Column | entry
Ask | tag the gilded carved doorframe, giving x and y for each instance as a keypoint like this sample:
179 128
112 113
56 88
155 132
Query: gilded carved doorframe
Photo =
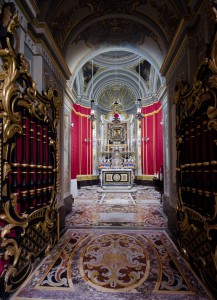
196 129
30 176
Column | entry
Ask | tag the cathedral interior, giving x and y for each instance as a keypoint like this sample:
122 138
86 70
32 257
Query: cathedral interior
108 136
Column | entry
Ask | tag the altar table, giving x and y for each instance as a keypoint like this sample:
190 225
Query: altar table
116 178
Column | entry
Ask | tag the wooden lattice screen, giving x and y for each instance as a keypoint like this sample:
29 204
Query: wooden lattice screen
29 165
196 108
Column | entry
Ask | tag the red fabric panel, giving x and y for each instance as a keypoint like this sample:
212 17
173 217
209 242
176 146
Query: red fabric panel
74 145
81 142
159 141
149 143
152 150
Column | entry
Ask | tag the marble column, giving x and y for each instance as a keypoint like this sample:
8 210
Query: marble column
169 142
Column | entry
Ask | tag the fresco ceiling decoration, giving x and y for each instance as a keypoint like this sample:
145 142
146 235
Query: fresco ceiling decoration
123 38
116 78
66 15
118 32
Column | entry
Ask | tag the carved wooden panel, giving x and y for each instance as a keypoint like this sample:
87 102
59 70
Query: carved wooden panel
29 166
196 112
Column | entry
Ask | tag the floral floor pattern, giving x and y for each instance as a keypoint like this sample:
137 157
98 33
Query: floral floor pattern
141 210
116 247
92 194
140 216
115 265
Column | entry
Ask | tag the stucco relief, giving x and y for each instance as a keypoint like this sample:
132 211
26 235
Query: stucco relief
50 80
39 50
62 25
100 8
166 14
64 16
116 31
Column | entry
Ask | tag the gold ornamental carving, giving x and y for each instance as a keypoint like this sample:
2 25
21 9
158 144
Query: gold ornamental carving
196 124
28 230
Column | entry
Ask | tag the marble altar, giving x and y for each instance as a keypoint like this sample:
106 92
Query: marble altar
116 178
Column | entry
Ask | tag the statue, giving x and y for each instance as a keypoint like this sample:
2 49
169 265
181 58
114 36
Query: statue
6 16
117 160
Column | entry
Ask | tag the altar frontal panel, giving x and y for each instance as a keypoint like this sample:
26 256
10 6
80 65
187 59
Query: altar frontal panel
116 178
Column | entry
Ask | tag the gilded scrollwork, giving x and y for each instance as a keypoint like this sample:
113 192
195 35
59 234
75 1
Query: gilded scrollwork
28 214
9 22
196 124
212 61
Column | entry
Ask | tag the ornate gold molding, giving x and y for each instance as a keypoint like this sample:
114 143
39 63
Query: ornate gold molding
27 232
196 126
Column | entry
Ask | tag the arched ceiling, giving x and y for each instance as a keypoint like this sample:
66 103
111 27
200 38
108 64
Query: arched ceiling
114 49
114 75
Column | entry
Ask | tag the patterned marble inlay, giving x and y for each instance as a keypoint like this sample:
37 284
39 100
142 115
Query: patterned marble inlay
111 264
141 209
114 262
58 275
145 216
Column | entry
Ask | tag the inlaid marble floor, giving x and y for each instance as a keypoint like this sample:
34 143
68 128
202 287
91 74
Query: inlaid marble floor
114 250
139 209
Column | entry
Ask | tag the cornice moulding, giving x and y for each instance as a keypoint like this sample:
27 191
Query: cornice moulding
29 8
41 32
187 26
